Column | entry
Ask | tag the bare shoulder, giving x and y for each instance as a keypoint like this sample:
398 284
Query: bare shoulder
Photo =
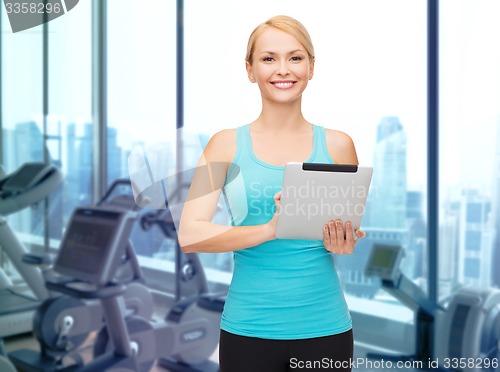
341 147
221 146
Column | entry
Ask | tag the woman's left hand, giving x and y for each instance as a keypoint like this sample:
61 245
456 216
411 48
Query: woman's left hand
336 242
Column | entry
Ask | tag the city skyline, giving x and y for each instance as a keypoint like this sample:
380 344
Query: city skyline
380 81
407 225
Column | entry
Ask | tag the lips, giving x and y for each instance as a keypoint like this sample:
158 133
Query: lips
283 84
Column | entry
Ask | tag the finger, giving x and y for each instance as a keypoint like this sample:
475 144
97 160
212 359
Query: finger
360 234
333 237
349 237
277 201
326 238
339 229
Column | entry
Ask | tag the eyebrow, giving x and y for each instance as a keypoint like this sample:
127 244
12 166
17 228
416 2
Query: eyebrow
293 51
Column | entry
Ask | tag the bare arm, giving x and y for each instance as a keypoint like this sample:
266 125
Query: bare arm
342 151
197 232
341 147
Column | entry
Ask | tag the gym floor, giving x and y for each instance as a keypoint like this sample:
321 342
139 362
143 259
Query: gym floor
26 341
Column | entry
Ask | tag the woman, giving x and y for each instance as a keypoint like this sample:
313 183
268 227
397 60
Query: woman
285 308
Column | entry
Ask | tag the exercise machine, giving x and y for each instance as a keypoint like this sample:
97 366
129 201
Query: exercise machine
384 263
195 316
193 321
468 333
89 261
465 336
62 323
89 255
28 185
5 364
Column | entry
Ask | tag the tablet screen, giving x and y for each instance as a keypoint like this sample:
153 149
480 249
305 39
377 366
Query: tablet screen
314 194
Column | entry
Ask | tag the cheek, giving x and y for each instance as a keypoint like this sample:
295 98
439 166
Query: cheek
263 73
303 72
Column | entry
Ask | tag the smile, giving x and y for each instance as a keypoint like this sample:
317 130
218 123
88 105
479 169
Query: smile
283 84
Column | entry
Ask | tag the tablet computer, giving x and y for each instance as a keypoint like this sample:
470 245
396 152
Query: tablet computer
312 194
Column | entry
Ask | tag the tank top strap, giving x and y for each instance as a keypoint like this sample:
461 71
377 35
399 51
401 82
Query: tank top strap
243 138
322 154
242 143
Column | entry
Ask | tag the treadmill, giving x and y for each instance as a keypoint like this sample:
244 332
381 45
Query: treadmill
28 185
464 336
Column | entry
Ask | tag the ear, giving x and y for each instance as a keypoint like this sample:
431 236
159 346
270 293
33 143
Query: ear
250 72
311 70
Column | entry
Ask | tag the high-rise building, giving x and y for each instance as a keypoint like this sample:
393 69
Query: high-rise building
417 234
475 239
386 204
115 169
28 145
496 214
77 166
448 253
414 205
78 163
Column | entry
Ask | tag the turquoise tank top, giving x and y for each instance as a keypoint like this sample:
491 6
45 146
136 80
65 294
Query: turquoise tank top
282 289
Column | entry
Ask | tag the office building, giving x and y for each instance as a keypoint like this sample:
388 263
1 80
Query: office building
387 200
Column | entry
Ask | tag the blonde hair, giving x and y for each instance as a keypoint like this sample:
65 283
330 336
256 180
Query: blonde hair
284 23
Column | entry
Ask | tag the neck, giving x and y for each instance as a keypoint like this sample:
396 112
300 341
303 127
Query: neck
277 117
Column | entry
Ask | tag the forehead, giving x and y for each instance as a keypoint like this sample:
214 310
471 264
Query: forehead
275 40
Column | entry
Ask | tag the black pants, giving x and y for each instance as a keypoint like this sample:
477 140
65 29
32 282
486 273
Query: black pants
249 354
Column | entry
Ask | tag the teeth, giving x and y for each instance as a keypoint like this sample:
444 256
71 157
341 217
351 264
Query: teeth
283 85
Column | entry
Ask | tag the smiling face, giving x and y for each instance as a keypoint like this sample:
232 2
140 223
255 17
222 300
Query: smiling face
280 66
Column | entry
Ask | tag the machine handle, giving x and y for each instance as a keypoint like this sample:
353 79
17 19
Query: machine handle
37 260
85 290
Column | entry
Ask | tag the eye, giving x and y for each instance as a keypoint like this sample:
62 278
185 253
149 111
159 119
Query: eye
296 58
267 59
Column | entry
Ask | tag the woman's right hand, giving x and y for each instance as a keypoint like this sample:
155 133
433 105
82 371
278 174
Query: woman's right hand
271 225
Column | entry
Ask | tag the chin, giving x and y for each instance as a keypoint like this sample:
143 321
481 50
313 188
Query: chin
282 100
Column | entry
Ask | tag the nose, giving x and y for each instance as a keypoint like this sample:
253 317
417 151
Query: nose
283 68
